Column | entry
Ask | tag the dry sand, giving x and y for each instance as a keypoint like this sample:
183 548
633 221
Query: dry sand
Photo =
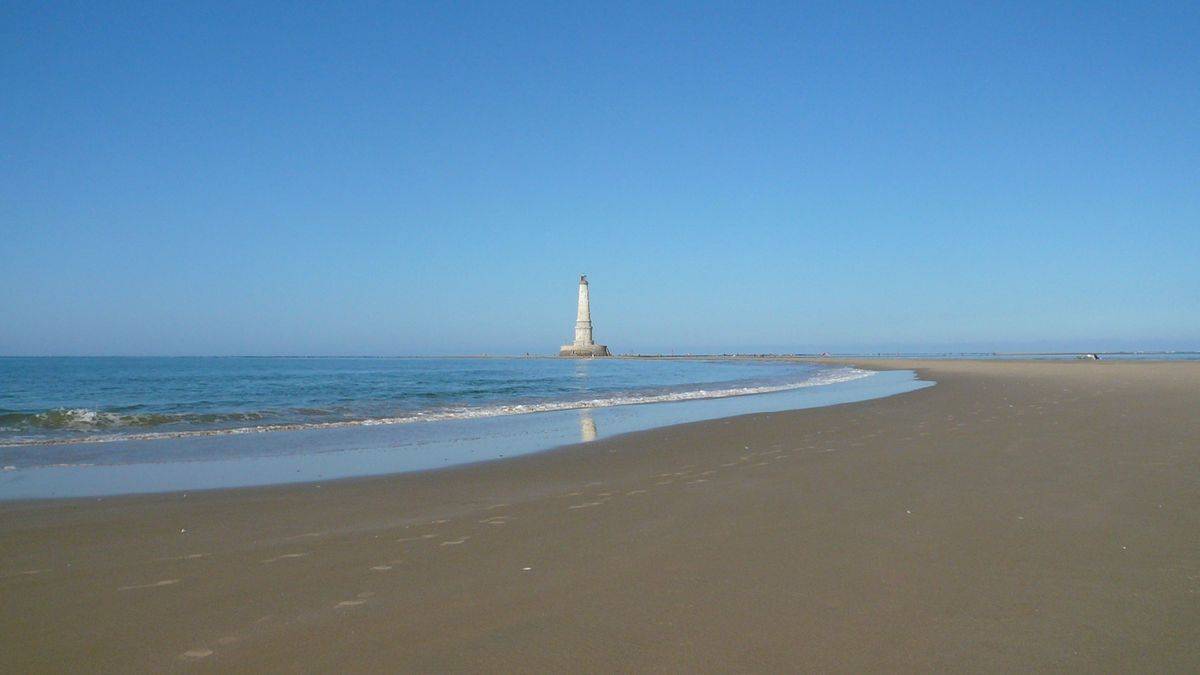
1018 516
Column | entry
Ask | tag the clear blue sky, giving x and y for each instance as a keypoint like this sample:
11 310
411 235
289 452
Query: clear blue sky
203 178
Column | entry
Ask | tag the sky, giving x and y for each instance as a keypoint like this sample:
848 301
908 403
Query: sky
431 178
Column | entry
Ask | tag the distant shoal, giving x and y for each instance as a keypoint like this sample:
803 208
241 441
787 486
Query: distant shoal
1017 516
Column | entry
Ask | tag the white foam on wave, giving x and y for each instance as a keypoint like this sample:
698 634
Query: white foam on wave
833 376
80 418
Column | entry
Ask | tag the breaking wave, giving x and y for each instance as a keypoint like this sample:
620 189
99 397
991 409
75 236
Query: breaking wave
84 420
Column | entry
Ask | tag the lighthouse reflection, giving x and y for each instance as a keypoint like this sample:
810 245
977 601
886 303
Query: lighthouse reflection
587 426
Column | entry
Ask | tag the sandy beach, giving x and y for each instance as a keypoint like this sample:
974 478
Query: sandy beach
1017 516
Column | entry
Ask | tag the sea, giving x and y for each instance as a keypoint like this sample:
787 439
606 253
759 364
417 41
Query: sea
94 426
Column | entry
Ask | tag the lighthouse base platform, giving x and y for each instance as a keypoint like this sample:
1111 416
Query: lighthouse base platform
583 351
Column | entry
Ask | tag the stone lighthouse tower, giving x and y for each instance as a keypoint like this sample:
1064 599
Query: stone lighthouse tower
583 345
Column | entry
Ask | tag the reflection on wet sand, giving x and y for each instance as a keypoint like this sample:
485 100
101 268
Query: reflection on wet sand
587 426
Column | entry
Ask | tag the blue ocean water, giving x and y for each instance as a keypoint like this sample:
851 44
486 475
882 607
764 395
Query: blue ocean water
90 426
56 400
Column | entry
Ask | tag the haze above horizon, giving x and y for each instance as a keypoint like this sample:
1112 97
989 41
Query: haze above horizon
359 180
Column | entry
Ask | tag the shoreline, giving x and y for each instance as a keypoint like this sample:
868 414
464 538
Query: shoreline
1017 515
486 411
227 460
330 482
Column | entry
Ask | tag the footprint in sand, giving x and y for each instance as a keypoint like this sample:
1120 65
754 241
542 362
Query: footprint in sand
307 535
156 584
190 556
360 599
424 536
23 573
285 556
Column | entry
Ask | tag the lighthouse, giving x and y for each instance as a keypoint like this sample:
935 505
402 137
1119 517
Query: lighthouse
583 345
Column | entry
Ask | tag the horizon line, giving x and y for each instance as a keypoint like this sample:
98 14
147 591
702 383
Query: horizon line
529 355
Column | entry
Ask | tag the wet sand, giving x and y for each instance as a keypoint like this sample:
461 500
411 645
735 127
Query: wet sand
1040 516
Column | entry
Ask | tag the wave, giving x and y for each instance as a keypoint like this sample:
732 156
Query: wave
85 419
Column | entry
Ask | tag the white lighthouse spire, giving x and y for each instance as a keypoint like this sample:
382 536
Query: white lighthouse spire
583 344
583 318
